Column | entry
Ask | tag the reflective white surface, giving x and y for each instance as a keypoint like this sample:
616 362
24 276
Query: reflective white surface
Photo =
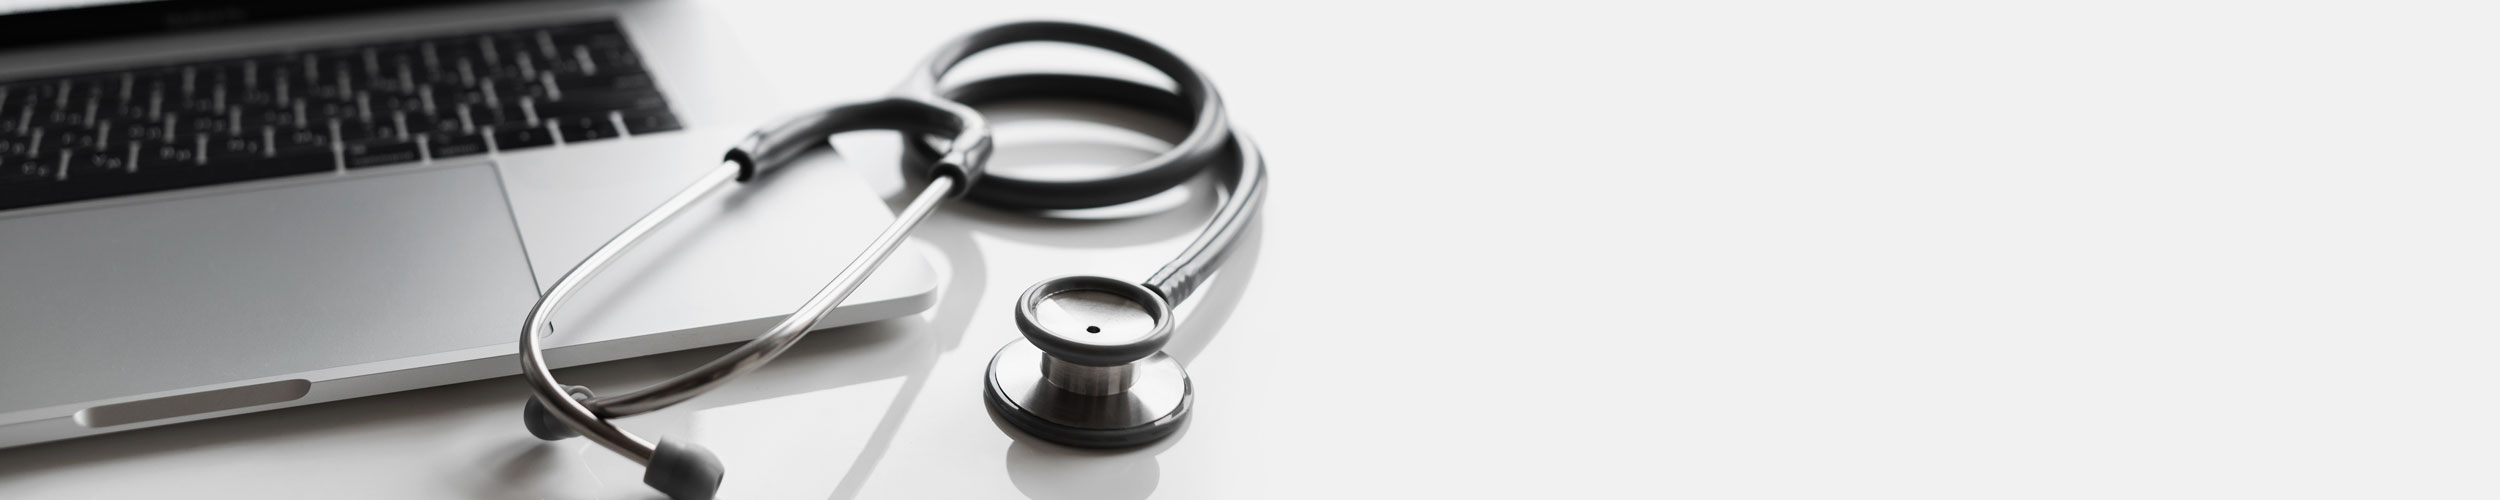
1749 250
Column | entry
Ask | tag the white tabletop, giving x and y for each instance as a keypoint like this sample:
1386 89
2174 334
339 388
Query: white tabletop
1753 250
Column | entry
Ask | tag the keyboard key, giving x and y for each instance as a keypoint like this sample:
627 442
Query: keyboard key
609 81
379 152
584 129
296 162
456 145
84 165
300 139
600 103
231 147
109 160
516 138
9 174
41 165
387 128
163 155
649 122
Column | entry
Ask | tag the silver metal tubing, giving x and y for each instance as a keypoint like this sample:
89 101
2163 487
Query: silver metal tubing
756 352
1089 380
543 385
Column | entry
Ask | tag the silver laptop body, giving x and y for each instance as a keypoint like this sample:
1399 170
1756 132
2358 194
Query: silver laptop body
395 269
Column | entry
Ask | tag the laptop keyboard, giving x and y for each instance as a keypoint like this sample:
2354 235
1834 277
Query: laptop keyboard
328 109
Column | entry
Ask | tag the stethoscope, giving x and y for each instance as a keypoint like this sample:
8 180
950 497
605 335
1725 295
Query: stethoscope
1089 372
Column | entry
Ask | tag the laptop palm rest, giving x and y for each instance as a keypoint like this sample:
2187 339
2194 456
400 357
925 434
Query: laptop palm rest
211 290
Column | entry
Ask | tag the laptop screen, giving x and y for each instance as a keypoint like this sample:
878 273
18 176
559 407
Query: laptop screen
36 22
20 6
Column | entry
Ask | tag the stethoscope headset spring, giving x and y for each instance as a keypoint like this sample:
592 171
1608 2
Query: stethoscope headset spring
1089 370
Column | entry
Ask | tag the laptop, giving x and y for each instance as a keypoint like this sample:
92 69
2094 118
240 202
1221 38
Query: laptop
215 207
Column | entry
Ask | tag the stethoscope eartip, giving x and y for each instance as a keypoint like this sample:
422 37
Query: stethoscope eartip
544 424
684 471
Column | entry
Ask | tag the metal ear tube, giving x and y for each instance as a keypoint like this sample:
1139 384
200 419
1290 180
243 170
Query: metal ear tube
683 470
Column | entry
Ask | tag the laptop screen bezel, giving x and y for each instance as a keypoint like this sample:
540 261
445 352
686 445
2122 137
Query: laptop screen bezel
42 27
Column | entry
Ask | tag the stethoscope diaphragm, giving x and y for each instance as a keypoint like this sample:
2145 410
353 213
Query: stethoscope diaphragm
1090 370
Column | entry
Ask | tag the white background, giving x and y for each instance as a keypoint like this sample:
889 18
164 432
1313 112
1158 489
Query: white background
1756 250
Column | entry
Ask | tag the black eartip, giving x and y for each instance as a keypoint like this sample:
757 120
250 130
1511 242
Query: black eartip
544 424
683 471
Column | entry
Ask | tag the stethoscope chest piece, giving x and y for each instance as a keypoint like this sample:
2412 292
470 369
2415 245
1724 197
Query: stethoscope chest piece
1090 371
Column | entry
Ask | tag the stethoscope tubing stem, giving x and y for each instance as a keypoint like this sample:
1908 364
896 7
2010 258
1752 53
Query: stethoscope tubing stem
543 385
755 353
590 418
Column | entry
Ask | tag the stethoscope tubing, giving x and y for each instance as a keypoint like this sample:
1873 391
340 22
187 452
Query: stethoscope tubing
1244 176
1180 278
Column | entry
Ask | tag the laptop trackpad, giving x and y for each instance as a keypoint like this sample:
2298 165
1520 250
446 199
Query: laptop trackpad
133 299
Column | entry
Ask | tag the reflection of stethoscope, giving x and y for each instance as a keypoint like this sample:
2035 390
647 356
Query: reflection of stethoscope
1090 370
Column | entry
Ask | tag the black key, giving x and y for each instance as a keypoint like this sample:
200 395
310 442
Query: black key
378 152
482 116
302 139
388 128
205 102
41 165
12 146
319 113
341 74
281 117
648 122
600 103
456 145
263 168
609 81
70 137
508 139
513 113
351 131
9 174
40 94
235 147
577 34
300 161
384 104
583 129
87 165
611 55
446 122
108 160
443 96
161 155
138 130
213 124
338 130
